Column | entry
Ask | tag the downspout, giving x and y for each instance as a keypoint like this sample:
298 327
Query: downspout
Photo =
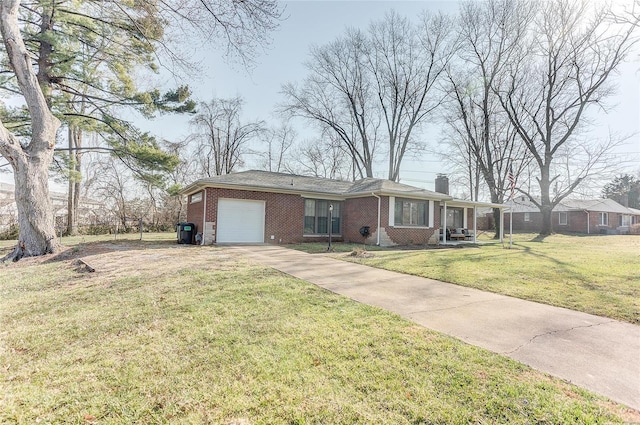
588 230
204 216
378 229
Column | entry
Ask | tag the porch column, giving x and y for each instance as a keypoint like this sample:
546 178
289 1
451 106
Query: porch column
475 223
501 225
443 220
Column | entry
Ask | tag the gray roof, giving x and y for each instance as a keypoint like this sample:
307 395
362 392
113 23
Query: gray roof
369 185
602 205
291 183
522 204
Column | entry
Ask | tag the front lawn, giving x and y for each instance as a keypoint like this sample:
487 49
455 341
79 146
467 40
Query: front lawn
162 333
593 274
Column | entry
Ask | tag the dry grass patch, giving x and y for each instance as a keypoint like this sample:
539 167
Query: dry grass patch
162 333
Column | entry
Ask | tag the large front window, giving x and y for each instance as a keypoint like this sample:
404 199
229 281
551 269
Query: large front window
625 220
409 212
316 217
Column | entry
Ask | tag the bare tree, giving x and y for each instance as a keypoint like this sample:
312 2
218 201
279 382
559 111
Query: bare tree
321 159
278 144
221 136
114 186
375 85
406 63
576 47
491 33
337 95
174 209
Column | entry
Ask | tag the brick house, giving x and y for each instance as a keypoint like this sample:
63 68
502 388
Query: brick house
260 206
602 216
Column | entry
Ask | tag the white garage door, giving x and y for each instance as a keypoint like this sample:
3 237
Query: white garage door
240 220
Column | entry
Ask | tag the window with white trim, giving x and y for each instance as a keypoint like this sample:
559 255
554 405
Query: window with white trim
196 197
603 219
562 218
527 216
625 220
411 212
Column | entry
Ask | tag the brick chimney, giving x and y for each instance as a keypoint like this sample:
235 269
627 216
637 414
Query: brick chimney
442 184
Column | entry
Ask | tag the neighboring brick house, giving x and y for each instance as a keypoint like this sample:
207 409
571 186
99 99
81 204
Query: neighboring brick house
261 206
602 216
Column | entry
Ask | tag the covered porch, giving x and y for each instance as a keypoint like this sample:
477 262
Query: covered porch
459 221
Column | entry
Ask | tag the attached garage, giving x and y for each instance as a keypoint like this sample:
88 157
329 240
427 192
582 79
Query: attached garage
240 221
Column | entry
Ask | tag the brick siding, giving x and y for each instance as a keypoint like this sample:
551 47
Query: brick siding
195 213
576 222
284 217
360 212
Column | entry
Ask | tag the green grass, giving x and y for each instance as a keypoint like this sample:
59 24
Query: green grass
594 274
177 334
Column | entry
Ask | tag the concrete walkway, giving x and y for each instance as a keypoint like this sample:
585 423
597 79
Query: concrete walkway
596 353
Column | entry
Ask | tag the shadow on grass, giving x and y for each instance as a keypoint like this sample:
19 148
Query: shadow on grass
539 238
88 249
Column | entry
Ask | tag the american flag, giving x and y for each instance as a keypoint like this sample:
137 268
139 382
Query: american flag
512 181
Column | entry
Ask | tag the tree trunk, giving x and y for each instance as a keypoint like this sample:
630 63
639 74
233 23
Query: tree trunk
546 207
73 197
547 227
31 163
35 215
497 222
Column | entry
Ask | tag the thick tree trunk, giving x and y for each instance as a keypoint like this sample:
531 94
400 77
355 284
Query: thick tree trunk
547 227
546 207
35 215
30 163
497 222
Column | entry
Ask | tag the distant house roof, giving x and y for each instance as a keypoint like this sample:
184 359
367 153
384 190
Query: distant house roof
524 204
291 183
601 205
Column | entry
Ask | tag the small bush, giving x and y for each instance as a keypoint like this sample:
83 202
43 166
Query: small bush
635 229
10 234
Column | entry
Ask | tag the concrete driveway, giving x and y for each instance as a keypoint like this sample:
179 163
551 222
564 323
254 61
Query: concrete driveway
596 353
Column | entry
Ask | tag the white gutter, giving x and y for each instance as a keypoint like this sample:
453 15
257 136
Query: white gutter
378 229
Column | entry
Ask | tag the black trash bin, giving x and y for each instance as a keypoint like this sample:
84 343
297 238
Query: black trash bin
185 232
